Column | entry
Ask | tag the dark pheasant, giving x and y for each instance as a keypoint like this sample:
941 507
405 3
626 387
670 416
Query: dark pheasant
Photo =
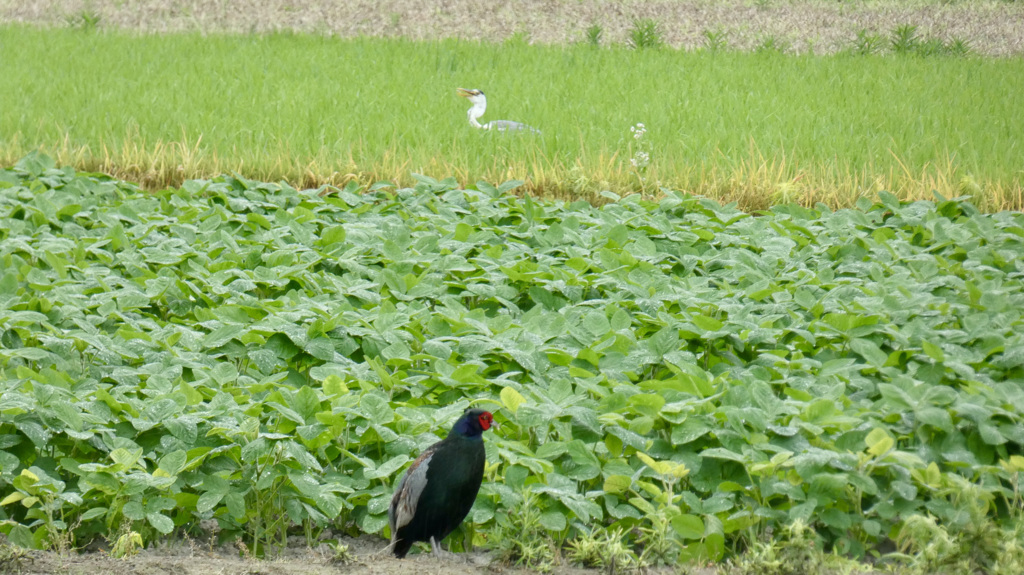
438 490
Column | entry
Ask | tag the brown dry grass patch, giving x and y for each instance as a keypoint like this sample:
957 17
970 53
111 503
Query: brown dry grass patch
991 27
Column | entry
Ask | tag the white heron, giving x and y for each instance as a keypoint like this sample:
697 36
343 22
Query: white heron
480 106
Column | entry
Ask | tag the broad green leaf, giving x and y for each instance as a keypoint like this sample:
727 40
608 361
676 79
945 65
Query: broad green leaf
332 235
321 348
706 323
334 386
134 510
688 526
387 468
722 453
511 399
583 454
878 442
124 458
94 513
933 351
12 498
677 470
617 483
224 373
236 505
376 409
1016 463
222 335
649 404
870 352
207 501
936 417
173 462
306 403
553 521
596 323
373 523
160 522
22 537
664 341
256 450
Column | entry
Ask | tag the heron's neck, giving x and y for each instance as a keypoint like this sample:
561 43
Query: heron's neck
475 112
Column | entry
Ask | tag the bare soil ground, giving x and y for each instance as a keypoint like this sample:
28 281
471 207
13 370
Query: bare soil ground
992 27
200 560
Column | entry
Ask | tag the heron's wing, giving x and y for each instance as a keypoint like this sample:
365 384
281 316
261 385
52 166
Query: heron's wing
510 126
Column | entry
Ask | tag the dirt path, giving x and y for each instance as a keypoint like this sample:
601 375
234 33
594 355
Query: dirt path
994 27
184 559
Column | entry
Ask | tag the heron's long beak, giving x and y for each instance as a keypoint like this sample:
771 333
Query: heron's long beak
464 92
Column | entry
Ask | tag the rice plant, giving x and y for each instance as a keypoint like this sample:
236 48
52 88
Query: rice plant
959 47
645 33
772 43
904 39
715 40
868 43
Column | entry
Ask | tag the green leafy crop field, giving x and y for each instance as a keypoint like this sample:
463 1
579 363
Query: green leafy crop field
757 128
674 380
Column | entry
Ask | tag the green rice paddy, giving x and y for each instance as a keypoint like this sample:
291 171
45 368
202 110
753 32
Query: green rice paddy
753 127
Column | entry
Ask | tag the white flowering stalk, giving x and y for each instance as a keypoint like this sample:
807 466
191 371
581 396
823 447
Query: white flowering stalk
641 157
638 131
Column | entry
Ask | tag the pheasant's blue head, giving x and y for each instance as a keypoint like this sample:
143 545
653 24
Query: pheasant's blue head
473 423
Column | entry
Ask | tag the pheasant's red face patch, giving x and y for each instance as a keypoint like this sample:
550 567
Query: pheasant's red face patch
486 420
